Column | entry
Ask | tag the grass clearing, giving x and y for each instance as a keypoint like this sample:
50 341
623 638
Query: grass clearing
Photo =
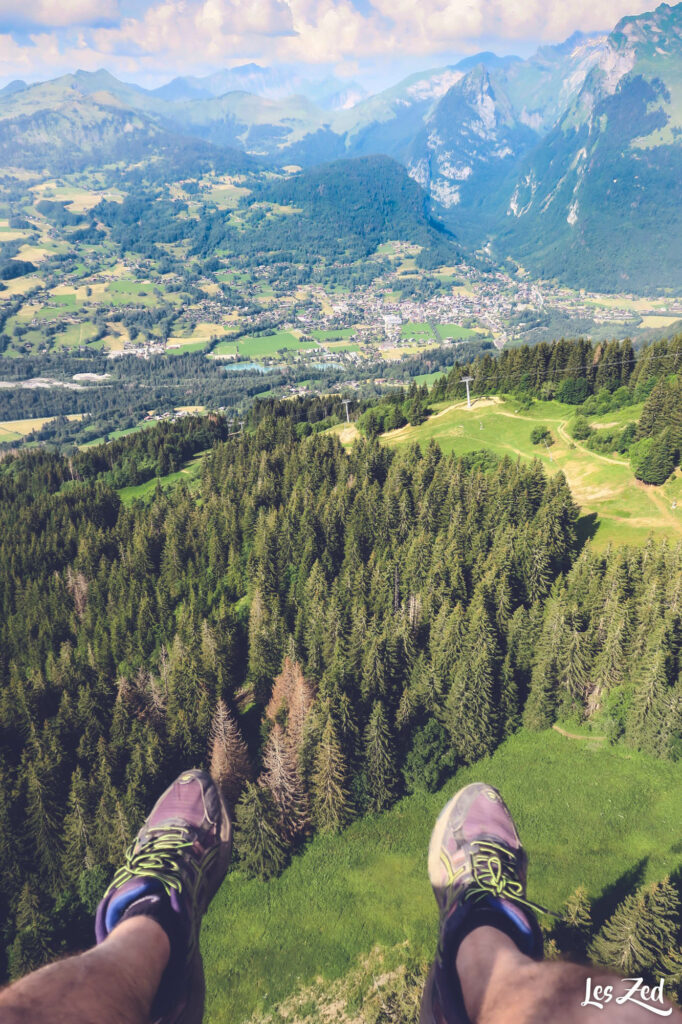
659 321
178 349
24 427
21 285
398 351
255 347
340 334
347 433
588 814
8 435
75 335
601 484
430 378
190 473
126 291
418 331
455 331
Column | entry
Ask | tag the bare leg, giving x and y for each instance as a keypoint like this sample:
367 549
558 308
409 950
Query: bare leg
113 983
502 986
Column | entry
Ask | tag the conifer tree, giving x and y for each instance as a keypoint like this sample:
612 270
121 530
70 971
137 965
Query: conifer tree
540 710
261 849
379 759
32 944
648 697
78 852
265 644
573 931
230 763
282 777
574 662
331 802
470 714
43 822
642 936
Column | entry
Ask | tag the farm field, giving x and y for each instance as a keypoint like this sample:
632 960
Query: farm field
12 430
264 940
333 335
178 349
418 331
627 510
455 331
255 347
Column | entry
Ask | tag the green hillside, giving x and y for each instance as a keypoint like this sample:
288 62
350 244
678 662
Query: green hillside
603 485
589 814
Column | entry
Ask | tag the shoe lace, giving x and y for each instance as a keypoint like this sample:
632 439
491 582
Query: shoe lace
494 872
160 858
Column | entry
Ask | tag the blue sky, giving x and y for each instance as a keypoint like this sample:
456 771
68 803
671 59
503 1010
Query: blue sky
375 41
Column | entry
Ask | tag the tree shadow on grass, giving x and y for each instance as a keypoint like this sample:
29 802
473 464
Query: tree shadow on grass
605 904
676 879
585 528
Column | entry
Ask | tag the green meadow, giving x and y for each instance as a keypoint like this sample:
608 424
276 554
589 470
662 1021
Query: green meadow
260 346
603 485
454 331
419 331
190 346
589 814
189 474
341 334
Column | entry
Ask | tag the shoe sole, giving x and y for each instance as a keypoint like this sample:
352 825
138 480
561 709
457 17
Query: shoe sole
193 1011
437 835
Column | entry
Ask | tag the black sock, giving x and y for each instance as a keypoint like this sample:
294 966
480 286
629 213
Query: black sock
158 907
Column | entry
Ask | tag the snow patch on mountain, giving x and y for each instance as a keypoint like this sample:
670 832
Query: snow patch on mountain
418 170
529 183
455 171
445 192
435 87
614 65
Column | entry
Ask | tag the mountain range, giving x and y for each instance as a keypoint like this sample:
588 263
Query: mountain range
568 161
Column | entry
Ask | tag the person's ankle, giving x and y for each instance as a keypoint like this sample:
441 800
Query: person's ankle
484 958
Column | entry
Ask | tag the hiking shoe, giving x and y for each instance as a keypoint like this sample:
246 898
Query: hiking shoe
477 868
171 872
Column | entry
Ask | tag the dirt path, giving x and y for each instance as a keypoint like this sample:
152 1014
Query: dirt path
575 735
477 403
594 455
661 504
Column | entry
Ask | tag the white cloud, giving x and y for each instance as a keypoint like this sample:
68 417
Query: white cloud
196 36
50 14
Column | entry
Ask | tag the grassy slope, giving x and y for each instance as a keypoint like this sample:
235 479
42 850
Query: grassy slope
190 473
628 511
588 814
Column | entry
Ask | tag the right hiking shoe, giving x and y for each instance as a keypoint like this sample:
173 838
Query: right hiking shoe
171 873
477 868
477 864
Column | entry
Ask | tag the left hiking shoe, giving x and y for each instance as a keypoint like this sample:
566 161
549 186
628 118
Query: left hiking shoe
477 868
171 873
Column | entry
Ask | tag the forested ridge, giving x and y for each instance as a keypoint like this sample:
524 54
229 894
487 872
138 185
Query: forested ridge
325 629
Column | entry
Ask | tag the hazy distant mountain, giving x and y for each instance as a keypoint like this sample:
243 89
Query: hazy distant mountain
85 120
570 160
270 83
16 86
600 197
